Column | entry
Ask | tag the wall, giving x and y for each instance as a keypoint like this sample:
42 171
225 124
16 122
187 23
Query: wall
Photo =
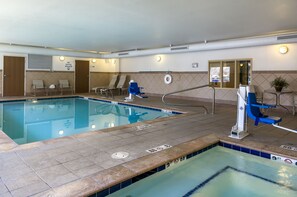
265 58
48 78
100 71
267 64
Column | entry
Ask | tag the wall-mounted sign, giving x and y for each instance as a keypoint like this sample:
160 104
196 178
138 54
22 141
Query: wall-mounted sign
215 74
68 65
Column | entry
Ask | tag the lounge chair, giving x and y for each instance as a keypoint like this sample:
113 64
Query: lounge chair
121 84
105 90
259 95
38 86
65 86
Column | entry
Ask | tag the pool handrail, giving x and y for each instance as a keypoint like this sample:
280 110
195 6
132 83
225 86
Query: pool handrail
193 88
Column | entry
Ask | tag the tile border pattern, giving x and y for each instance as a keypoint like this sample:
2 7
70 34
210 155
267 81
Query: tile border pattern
137 178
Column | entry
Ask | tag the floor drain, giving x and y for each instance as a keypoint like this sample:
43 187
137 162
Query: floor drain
120 155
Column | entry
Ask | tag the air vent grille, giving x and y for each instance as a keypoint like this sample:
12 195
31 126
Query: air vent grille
179 48
122 54
287 37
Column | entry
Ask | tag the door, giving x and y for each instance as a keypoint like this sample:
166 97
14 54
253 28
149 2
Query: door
81 76
13 76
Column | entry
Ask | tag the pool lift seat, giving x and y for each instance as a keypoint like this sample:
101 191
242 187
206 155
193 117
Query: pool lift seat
253 111
134 90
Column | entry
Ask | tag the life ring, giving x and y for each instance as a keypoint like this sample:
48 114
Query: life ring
167 79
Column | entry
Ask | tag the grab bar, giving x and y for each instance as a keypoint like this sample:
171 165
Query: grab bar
188 89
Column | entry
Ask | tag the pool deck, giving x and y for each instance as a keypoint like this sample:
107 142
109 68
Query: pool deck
81 165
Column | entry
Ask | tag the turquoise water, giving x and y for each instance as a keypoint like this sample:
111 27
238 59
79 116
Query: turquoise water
29 121
219 172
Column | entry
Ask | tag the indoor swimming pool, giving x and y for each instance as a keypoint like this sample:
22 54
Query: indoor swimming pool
218 172
37 120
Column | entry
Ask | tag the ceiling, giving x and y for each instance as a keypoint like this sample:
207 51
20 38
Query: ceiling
116 25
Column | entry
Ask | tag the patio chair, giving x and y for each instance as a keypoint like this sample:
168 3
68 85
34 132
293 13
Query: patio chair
38 86
65 86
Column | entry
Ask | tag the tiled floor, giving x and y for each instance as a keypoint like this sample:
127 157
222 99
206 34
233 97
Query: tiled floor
76 165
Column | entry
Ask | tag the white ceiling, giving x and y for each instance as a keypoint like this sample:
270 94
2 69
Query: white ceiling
115 25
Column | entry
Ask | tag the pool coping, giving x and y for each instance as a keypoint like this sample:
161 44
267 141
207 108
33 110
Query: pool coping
7 144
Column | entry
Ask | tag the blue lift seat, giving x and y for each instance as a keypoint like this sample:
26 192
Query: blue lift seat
253 111
134 89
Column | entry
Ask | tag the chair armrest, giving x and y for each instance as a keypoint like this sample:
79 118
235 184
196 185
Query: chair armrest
263 106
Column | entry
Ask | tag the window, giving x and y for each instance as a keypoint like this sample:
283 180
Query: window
39 62
229 73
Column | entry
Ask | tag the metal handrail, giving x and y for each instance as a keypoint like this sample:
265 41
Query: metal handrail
188 89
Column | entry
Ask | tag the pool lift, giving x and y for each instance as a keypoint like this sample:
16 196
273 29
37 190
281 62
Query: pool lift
134 90
247 106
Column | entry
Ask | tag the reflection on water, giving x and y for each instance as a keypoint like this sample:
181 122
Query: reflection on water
29 121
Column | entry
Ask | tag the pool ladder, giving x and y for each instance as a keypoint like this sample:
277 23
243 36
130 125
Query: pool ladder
186 105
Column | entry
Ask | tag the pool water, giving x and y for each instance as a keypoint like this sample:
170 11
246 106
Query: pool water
31 121
218 172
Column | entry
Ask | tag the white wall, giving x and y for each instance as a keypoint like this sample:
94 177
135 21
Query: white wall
105 65
59 65
265 58
101 65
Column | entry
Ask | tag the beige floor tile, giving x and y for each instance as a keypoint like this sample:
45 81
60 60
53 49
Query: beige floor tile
89 170
17 182
30 189
78 164
56 175
69 156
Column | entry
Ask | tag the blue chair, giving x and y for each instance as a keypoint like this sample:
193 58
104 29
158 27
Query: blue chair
134 89
253 111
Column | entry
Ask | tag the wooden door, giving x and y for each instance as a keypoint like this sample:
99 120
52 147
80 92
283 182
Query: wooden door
81 76
13 76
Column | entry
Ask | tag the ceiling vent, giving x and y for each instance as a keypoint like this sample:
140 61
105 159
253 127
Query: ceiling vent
179 48
123 54
287 37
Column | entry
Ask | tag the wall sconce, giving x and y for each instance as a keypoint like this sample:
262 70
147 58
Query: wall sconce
94 60
158 58
283 49
62 58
